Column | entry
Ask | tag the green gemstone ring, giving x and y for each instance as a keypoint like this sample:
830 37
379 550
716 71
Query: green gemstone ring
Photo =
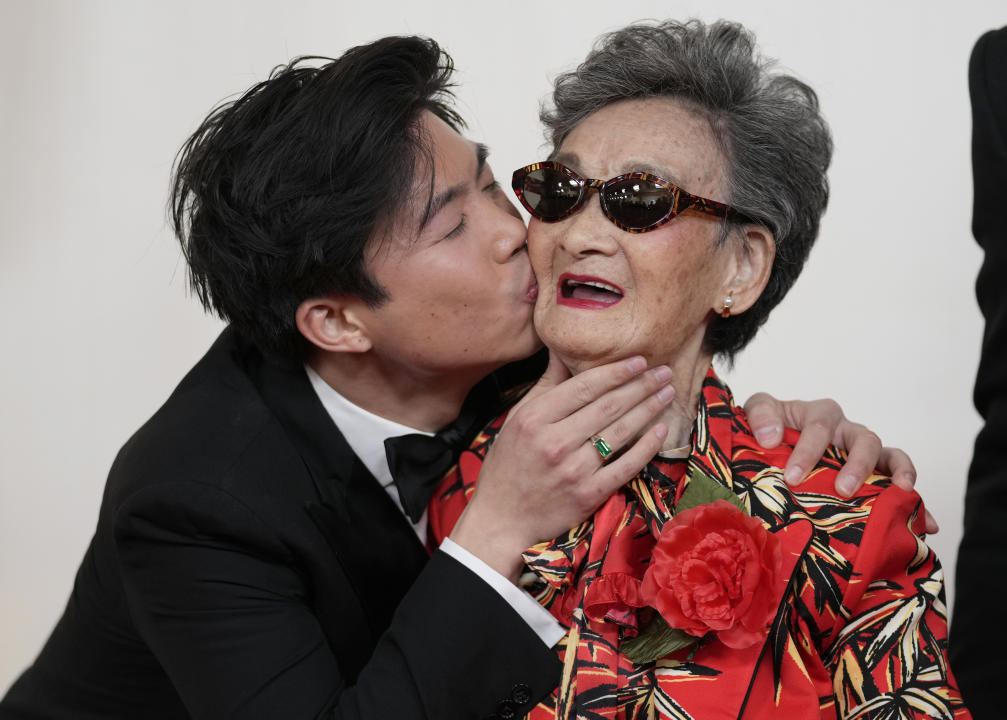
603 448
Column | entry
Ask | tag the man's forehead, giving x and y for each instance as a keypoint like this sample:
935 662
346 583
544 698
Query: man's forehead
446 166
448 170
447 156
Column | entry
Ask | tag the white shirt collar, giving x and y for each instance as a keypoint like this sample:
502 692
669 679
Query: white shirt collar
366 433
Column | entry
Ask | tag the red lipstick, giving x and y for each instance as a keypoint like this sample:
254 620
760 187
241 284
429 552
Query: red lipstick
587 292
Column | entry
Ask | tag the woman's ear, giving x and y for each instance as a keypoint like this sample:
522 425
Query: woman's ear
333 324
753 258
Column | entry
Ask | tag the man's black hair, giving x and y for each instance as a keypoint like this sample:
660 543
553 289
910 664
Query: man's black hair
277 193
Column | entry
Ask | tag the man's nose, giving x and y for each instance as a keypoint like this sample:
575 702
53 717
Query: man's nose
512 234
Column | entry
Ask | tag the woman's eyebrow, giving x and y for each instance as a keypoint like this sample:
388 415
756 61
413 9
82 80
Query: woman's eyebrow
572 160
651 169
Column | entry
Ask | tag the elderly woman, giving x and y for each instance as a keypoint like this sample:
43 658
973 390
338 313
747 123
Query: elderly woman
679 204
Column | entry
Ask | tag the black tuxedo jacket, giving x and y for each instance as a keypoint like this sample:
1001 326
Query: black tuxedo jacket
978 634
246 564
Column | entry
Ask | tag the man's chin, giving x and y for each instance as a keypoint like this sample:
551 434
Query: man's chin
527 348
521 349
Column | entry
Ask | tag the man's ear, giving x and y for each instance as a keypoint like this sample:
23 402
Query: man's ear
752 264
333 324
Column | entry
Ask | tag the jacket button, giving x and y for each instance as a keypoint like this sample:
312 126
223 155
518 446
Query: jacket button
521 694
507 710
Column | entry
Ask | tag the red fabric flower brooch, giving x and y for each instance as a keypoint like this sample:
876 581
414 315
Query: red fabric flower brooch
714 570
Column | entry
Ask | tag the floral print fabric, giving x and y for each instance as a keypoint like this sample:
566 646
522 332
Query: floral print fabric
860 628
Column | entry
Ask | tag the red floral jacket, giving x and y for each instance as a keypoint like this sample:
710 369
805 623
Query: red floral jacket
859 628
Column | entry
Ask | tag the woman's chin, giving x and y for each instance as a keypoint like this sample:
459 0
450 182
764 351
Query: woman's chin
580 360
583 346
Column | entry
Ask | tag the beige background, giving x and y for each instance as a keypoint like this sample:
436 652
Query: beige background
96 327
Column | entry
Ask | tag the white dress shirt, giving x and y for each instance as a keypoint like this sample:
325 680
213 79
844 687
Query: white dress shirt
366 433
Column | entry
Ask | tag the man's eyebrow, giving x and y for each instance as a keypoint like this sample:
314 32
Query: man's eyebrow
440 200
482 152
447 195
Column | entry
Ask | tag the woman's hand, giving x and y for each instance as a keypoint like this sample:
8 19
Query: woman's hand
822 423
543 476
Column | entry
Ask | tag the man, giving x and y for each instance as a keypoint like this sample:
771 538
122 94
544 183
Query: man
252 557
978 641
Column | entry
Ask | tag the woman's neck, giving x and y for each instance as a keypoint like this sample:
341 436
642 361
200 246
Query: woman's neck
680 415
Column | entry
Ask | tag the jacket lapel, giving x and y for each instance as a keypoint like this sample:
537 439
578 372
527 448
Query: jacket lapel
371 539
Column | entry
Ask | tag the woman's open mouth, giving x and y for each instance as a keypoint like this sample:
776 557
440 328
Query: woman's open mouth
583 291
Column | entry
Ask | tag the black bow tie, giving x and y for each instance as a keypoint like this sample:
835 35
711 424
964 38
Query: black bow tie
418 462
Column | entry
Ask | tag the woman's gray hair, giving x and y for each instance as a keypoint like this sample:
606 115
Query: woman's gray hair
775 141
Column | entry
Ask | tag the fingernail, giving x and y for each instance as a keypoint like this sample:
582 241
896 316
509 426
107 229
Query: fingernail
661 430
767 434
662 373
666 393
845 484
909 478
793 474
636 363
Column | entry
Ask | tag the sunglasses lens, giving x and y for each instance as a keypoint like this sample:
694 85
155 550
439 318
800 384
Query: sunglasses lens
549 194
638 203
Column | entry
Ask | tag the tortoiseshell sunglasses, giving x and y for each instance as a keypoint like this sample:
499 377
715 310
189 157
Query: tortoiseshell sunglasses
636 202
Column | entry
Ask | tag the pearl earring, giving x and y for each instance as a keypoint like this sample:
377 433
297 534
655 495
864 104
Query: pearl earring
725 311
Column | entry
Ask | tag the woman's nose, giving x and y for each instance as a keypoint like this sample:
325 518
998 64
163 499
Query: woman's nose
588 231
